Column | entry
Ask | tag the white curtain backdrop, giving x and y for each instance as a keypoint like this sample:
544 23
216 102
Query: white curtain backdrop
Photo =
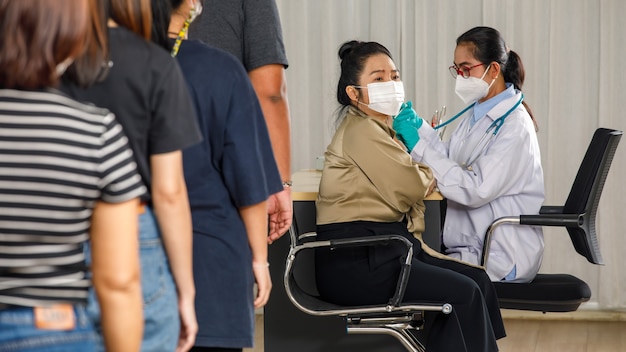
574 52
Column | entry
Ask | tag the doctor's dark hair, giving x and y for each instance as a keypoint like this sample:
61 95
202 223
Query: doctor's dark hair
488 46
353 55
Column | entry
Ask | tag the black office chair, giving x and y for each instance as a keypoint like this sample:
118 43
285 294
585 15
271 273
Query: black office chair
393 318
564 292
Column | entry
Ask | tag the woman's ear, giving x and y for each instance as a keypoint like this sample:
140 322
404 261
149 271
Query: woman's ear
352 93
495 70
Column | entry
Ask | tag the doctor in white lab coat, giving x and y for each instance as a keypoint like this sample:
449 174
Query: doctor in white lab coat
485 176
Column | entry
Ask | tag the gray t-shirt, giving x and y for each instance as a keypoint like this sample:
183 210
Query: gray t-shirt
248 29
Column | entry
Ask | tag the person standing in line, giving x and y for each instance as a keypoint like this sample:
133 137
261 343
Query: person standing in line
148 94
491 166
251 30
67 176
229 176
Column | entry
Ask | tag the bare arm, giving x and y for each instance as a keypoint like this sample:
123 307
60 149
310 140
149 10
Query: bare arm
171 207
270 86
255 219
116 275
271 89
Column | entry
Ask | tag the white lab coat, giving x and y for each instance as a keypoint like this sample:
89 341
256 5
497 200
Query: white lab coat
505 180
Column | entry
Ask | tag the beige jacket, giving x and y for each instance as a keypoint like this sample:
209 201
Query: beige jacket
369 176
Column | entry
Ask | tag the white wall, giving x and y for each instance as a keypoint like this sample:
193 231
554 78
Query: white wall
574 52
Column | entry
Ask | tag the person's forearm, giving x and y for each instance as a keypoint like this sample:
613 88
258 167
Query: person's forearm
171 207
122 314
116 274
174 219
271 89
278 125
255 220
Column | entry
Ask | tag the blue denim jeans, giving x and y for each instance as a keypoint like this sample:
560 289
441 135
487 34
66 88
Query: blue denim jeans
160 300
162 322
18 333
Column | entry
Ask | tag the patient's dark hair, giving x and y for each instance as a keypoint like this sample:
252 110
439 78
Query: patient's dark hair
353 55
488 46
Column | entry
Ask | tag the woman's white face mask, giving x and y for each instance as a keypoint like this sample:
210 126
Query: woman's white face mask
385 97
472 88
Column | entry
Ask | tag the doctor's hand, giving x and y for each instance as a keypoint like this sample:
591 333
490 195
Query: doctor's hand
407 113
406 124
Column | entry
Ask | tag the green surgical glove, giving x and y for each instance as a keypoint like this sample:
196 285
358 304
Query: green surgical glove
406 124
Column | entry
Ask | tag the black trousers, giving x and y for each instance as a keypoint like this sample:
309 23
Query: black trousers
368 275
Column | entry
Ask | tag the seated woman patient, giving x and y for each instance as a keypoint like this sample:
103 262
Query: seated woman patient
370 186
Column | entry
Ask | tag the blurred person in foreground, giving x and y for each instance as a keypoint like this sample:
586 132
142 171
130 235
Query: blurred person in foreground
67 175
229 176
147 92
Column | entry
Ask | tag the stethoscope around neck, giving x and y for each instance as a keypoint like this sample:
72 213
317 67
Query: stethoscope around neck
490 133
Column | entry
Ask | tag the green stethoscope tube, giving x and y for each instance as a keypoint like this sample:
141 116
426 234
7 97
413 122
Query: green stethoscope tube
490 133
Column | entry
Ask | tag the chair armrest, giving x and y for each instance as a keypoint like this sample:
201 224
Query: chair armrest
307 237
549 216
552 219
369 241
361 242
403 278
403 281
489 235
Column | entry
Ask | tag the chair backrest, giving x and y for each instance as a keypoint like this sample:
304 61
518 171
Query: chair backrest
586 190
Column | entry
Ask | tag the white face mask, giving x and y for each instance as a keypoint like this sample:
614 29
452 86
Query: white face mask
385 97
471 89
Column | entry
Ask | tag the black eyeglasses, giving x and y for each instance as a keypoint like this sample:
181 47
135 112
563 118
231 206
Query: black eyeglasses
463 71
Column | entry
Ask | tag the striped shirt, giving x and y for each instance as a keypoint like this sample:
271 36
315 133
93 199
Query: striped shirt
57 158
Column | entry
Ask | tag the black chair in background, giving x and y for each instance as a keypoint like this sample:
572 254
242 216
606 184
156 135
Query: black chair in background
564 292
400 320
